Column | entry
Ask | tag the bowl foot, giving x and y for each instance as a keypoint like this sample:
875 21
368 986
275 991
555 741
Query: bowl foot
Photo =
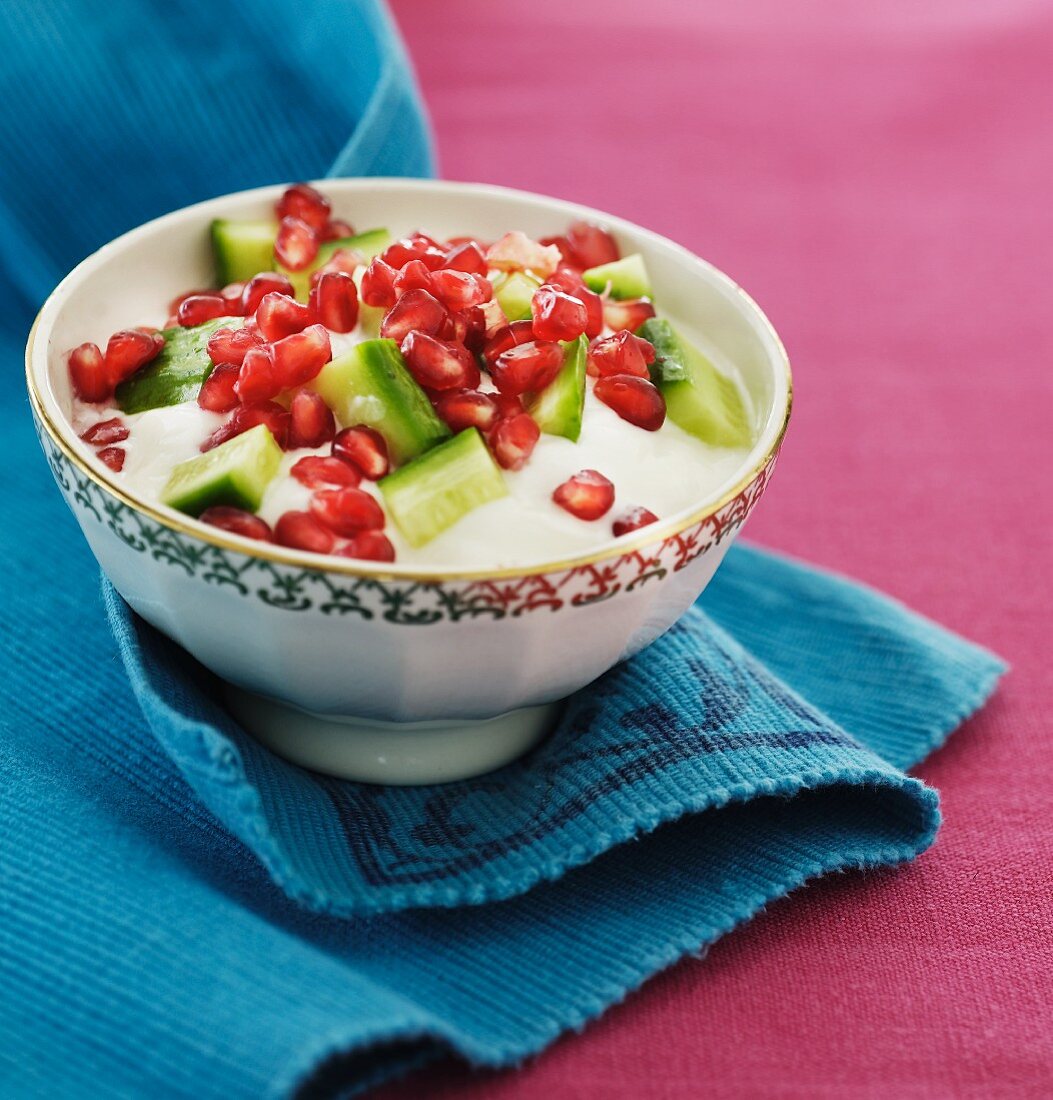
397 753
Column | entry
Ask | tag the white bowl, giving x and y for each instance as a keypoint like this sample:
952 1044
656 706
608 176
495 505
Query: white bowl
384 672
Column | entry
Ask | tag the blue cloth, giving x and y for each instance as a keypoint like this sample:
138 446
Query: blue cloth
182 914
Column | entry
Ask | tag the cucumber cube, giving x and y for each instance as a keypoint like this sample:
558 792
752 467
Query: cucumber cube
626 277
234 473
242 248
514 294
434 491
368 244
558 408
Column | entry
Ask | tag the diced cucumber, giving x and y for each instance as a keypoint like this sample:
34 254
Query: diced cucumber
242 248
434 491
558 408
627 277
234 473
698 397
371 385
514 293
368 244
177 373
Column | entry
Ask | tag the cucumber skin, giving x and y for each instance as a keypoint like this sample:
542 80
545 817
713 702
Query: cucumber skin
177 373
628 277
238 260
559 408
369 244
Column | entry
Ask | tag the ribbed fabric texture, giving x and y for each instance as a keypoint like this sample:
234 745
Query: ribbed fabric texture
182 914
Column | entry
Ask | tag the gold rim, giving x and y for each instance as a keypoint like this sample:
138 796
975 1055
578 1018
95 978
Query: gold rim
656 533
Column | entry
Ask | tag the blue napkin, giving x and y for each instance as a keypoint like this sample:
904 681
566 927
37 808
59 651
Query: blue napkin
182 914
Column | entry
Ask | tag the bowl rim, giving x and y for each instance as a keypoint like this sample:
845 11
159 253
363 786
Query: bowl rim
611 549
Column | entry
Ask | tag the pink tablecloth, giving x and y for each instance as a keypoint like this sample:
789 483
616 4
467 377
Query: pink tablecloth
882 181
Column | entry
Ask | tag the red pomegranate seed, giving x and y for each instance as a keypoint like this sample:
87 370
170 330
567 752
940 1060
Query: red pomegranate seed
301 531
130 349
513 441
592 244
279 316
467 409
365 449
571 282
347 511
325 472
296 245
633 520
621 353
557 316
505 338
179 299
629 314
218 392
439 364
88 374
259 286
587 495
515 251
507 404
302 201
528 367
633 399
112 457
245 417
416 309
231 345
199 308
455 328
368 546
257 380
237 522
311 421
378 284
472 327
414 276
460 289
334 300
232 294
415 247
298 358
336 229
566 250
466 257
113 430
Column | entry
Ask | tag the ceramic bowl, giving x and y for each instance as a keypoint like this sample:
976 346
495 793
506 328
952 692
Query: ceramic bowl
385 672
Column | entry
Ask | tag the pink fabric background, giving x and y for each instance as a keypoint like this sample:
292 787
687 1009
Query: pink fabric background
881 180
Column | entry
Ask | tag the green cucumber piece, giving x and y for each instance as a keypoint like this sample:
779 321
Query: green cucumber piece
434 491
558 408
369 244
514 294
242 248
177 372
234 473
698 397
370 385
627 277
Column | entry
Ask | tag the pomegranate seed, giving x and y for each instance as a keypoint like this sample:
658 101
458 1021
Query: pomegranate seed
416 309
368 546
629 314
259 286
245 417
460 290
296 245
472 326
301 531
237 522
415 247
438 364
633 520
571 282
257 380
557 316
302 201
365 449
334 301
336 229
414 276
466 257
299 358
633 399
507 404
347 260
566 251
232 294
592 244
528 367
175 303
311 421
130 349
621 353
467 409
587 495
513 441
455 328
88 374
112 457
199 308
218 392
106 431
230 345
347 511
279 316
324 471
505 338
378 284
515 251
